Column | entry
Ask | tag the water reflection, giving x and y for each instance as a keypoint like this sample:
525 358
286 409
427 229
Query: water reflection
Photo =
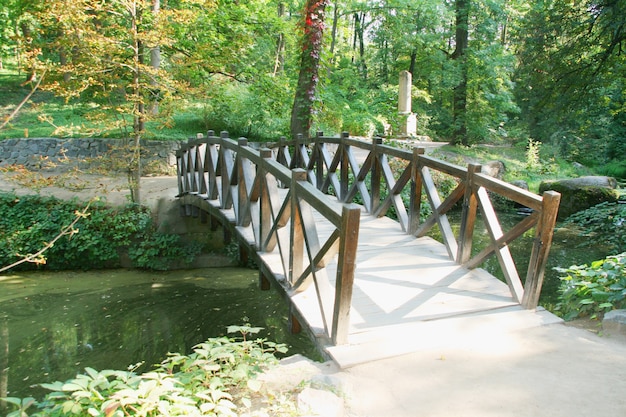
56 324
568 248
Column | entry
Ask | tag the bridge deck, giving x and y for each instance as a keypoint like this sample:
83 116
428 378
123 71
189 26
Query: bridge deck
408 295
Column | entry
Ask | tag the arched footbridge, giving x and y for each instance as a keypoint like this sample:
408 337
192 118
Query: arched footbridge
341 228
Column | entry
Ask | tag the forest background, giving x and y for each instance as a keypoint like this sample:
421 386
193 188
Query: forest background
484 71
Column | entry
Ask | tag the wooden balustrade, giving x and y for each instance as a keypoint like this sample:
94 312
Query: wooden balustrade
272 208
270 196
377 186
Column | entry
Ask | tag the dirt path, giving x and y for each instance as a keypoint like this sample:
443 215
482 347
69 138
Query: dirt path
67 185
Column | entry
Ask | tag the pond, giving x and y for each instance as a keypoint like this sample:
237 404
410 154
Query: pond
53 325
568 248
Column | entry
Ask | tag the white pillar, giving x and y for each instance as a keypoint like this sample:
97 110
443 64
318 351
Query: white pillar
408 126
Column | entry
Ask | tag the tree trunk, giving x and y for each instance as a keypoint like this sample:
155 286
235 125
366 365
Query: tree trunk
155 63
279 63
302 110
459 105
134 174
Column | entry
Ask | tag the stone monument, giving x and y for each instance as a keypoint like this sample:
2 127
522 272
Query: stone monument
408 124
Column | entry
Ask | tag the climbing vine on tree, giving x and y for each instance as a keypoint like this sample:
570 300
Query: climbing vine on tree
308 79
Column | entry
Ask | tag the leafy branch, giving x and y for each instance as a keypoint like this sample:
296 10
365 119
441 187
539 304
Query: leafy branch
37 257
17 109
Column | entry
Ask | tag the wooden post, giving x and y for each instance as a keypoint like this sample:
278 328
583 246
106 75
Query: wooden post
541 249
265 203
346 265
375 176
264 282
318 158
225 166
468 216
296 254
240 181
296 160
244 256
344 169
294 324
415 201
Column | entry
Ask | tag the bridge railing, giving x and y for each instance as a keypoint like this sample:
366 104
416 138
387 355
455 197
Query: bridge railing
377 176
271 207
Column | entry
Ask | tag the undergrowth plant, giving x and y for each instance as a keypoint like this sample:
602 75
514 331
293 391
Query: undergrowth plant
591 291
101 237
216 379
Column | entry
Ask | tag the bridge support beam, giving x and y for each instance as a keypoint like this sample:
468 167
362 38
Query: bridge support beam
264 282
294 324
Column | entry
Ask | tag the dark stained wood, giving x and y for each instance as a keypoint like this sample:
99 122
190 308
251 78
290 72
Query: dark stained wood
541 249
468 217
345 274
275 211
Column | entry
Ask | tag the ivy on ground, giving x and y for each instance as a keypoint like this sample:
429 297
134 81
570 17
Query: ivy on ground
28 223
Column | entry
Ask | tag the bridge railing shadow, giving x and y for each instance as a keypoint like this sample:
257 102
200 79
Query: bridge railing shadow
386 179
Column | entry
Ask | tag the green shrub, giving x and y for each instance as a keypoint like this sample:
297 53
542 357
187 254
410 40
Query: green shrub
592 290
28 223
217 379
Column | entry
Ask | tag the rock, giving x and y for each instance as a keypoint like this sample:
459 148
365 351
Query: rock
315 402
614 322
521 184
494 169
290 373
581 193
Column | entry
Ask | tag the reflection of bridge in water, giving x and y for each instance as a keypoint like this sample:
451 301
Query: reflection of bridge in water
364 285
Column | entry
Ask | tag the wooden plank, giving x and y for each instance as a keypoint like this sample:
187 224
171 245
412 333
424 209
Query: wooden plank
344 279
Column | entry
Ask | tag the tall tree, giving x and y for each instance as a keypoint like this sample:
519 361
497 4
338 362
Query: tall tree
110 63
459 103
304 98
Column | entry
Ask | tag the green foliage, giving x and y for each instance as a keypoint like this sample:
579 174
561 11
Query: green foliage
257 111
605 223
592 290
532 155
27 223
217 379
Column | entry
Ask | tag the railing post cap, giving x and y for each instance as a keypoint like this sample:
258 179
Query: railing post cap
210 133
242 141
298 174
224 134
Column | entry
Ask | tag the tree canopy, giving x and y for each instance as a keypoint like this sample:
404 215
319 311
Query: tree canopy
483 70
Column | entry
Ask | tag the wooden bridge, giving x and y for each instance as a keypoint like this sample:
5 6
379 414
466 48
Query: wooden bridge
316 217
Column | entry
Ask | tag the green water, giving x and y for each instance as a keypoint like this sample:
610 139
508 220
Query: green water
56 324
568 248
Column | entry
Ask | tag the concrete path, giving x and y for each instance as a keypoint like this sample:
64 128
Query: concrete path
548 371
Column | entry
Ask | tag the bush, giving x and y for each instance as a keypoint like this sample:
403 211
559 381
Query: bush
592 290
27 223
217 379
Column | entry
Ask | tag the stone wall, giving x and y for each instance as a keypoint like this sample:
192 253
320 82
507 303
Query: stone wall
35 152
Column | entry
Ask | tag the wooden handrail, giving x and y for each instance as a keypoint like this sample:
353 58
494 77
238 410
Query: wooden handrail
243 186
373 184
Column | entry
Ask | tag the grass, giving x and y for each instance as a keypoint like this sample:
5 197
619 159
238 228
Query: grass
516 160
46 115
